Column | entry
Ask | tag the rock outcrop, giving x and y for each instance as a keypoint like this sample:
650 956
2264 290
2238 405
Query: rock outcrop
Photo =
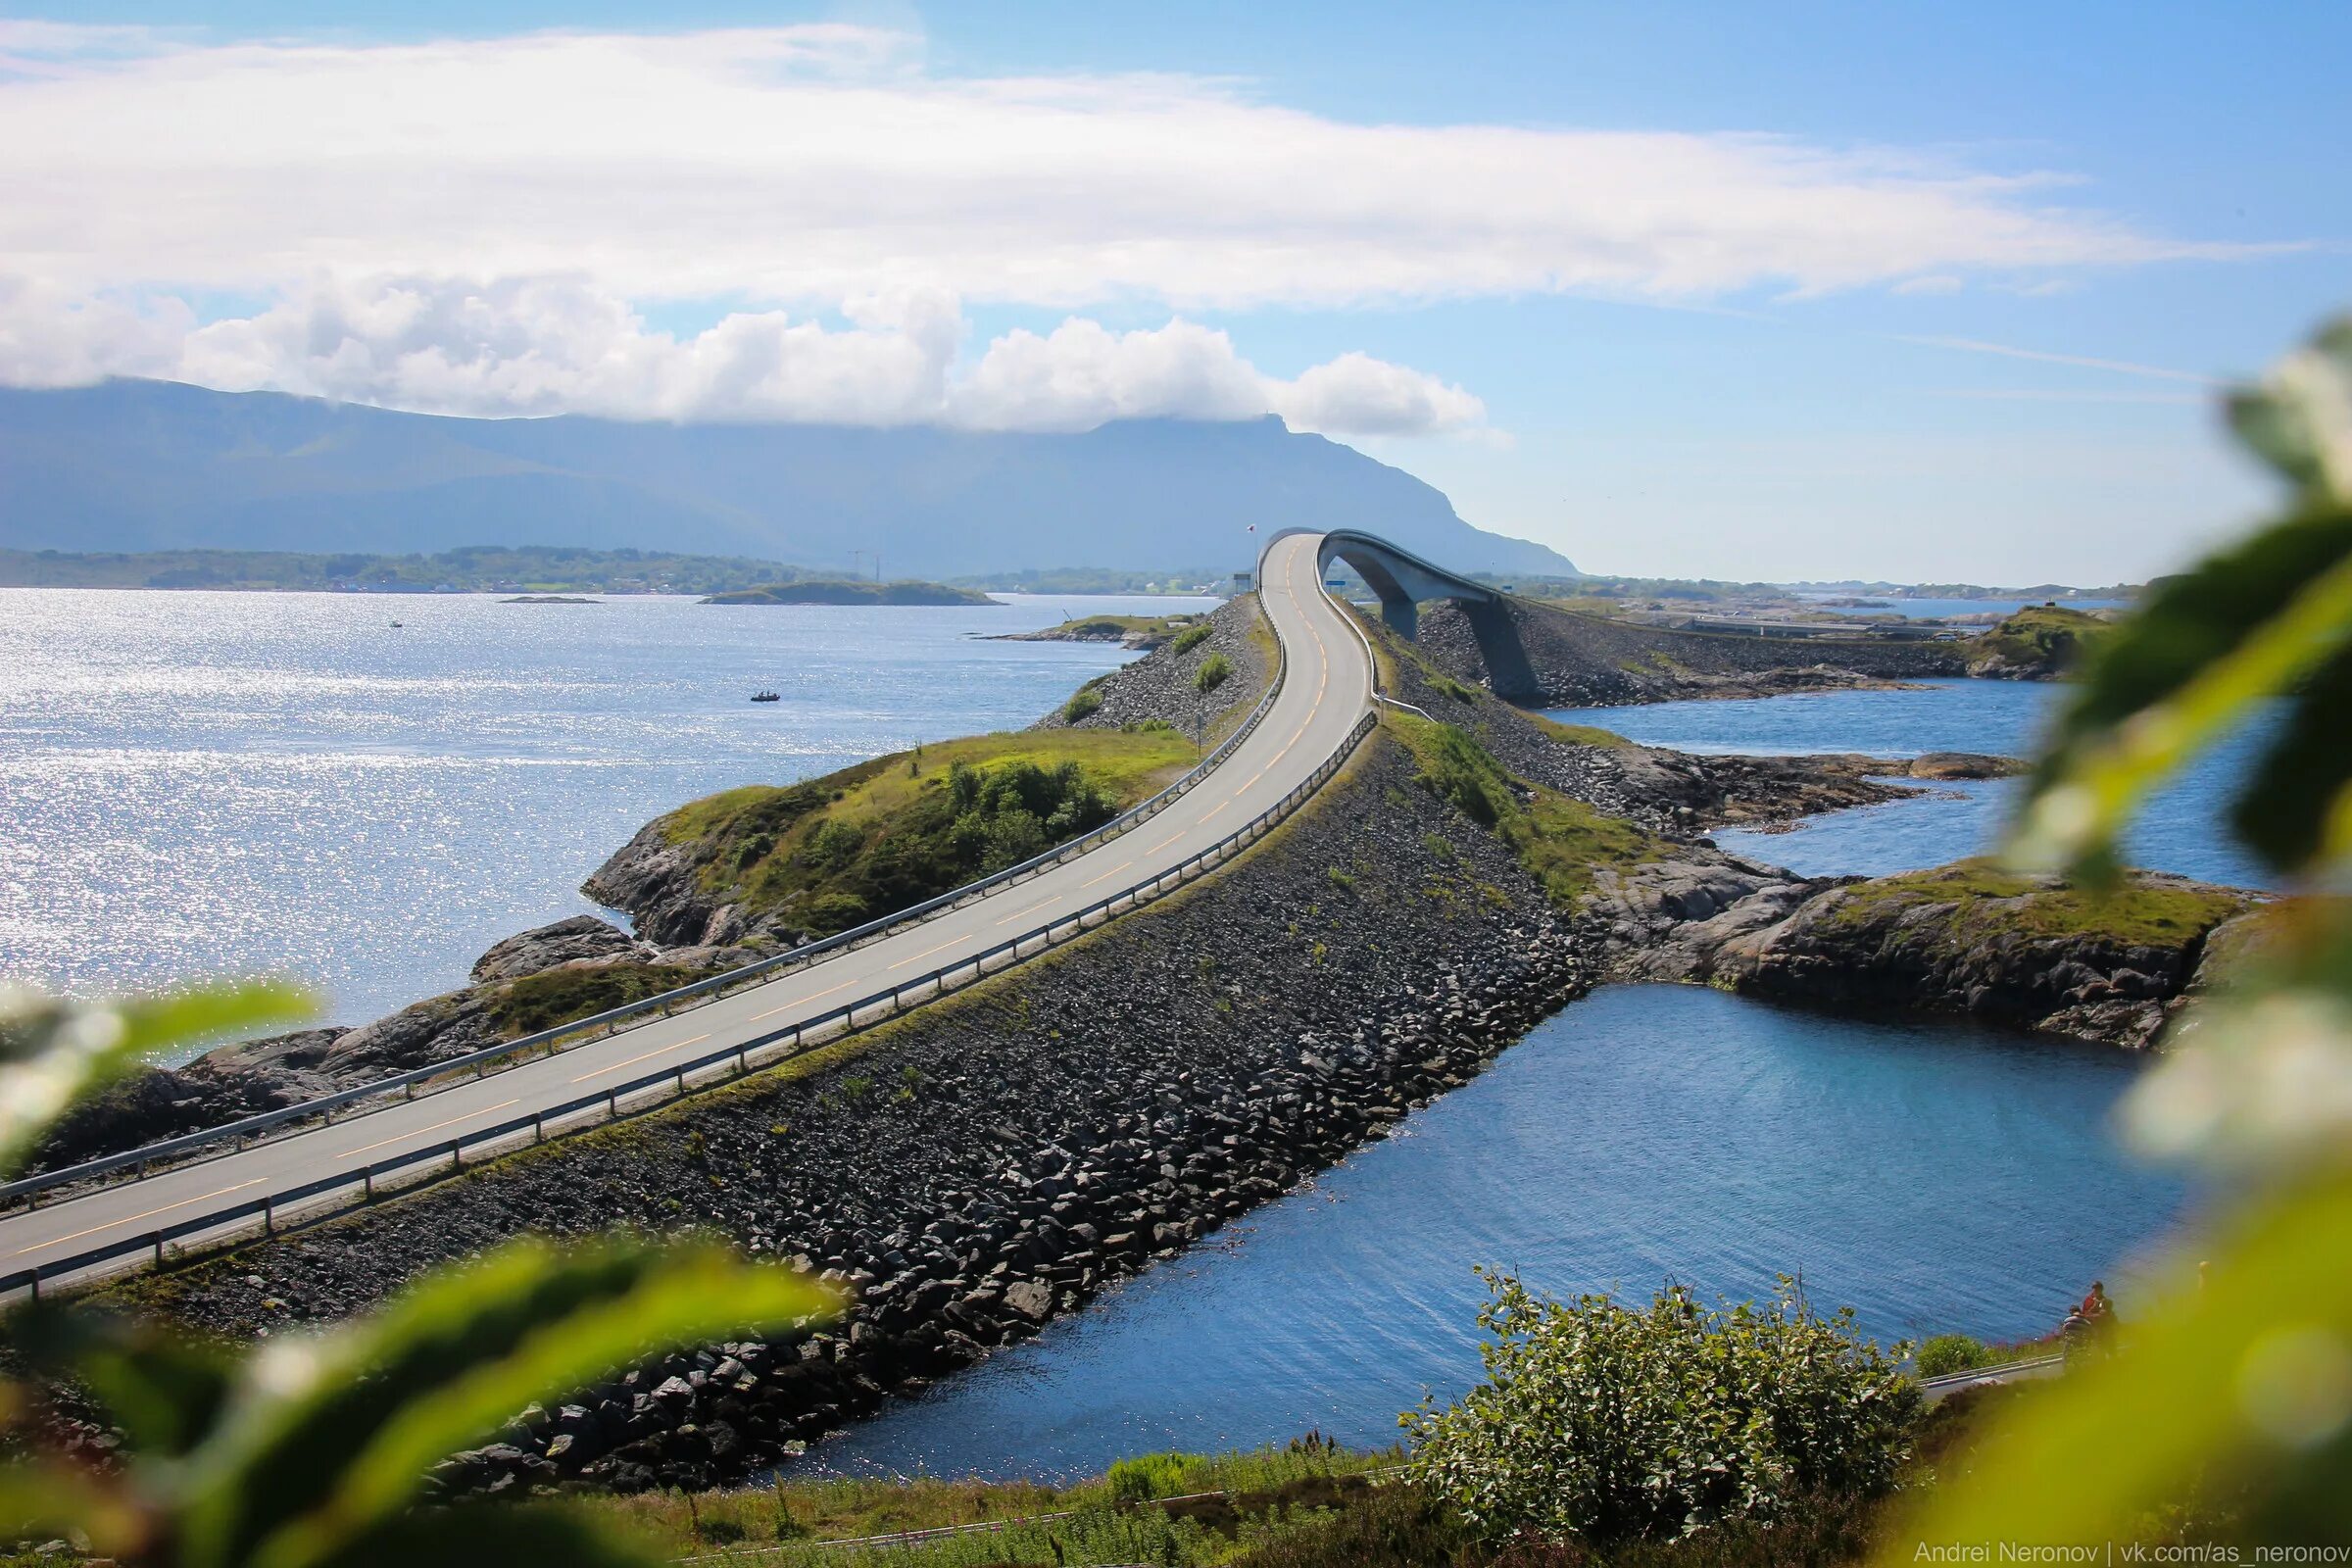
2030 952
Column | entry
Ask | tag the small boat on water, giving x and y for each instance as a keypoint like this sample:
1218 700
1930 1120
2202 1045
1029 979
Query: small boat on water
396 623
765 696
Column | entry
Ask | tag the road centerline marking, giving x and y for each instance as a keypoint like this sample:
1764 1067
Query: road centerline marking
658 1051
434 1128
925 954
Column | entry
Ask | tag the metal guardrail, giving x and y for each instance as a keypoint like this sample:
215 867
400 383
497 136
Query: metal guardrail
734 1061
237 1132
1355 623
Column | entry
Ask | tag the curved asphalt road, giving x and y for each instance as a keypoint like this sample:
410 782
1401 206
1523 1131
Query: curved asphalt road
1329 687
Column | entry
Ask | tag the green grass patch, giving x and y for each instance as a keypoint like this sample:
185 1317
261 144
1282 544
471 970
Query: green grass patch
1084 703
1579 734
1116 1520
1561 842
1212 673
852 846
1192 637
1120 627
2048 635
1984 898
555 997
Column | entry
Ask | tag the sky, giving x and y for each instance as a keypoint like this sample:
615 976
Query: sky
1808 291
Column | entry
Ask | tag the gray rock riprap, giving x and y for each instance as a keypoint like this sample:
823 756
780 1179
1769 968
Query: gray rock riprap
998 1158
1160 684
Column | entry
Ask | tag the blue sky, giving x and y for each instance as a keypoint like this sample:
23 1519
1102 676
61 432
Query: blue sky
1696 396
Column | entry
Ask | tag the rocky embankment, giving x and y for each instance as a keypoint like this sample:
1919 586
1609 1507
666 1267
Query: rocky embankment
1587 660
1163 687
990 1161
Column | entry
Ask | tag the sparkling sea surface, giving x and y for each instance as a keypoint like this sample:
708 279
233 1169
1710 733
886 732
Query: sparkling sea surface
211 783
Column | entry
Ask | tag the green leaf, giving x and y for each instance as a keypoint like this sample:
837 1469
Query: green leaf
2289 811
2299 419
2246 624
54 1054
326 1440
2243 1384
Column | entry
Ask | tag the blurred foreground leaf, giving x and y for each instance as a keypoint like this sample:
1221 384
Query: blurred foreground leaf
55 1053
314 1451
2239 1390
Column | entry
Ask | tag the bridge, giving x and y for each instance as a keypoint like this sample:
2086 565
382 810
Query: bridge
1404 582
309 1159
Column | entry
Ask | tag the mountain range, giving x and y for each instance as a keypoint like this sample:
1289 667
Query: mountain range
133 466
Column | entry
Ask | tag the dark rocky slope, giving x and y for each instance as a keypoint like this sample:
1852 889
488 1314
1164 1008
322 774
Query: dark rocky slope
1587 661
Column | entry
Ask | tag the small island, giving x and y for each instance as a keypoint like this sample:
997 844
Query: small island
1144 632
550 599
834 591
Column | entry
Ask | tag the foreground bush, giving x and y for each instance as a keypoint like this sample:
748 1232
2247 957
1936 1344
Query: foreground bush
1602 1422
1948 1354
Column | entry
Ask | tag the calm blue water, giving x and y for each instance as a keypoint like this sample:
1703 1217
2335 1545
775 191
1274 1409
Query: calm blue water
1932 1176
2180 832
209 783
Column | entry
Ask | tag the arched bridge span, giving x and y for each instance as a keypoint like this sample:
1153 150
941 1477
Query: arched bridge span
1405 581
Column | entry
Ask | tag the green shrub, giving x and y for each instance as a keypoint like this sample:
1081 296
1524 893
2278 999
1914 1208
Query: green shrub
1192 637
1087 701
1148 726
1213 673
1948 1354
1339 879
1147 1475
1606 1423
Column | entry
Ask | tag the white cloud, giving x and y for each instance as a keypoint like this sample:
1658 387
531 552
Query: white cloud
815 162
530 197
558 345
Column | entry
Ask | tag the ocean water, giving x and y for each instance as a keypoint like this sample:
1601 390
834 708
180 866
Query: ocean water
2181 830
1932 1175
216 783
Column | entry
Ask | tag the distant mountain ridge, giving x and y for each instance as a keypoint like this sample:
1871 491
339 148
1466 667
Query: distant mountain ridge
154 465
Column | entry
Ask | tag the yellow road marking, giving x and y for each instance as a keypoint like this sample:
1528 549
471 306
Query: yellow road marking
1027 908
818 995
925 954
133 1219
1107 875
658 1051
398 1137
